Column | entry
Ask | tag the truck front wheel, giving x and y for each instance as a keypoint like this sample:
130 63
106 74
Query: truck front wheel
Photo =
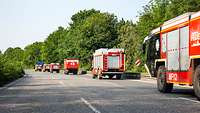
118 77
51 71
196 82
75 72
110 76
94 76
99 75
162 84
58 71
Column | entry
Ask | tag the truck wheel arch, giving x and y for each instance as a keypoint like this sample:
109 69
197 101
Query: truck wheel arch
158 64
194 63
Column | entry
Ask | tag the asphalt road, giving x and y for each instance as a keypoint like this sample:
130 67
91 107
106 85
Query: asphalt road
58 93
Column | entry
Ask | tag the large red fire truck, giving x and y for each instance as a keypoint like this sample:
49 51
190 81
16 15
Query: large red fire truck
71 65
110 62
173 53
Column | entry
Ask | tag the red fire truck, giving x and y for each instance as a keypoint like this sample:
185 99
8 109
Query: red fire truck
110 62
55 67
71 65
173 53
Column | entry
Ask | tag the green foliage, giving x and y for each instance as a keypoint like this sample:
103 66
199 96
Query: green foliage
14 54
32 54
129 39
11 65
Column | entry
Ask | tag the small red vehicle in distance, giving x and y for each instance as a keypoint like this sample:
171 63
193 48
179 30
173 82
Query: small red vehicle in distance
71 65
46 67
55 67
108 62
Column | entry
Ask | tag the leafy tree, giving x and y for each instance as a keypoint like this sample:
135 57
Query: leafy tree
129 39
96 31
80 17
14 54
33 53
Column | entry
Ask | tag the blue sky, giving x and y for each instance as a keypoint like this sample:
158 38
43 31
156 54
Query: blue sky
23 22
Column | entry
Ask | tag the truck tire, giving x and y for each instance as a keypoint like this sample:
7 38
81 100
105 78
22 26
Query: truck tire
94 76
58 71
66 72
51 71
162 84
75 72
118 77
110 76
99 75
196 82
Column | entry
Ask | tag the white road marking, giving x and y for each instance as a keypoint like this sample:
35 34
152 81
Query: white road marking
62 83
90 106
189 99
67 84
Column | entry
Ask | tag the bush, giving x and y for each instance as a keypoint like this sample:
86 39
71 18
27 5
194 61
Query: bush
9 70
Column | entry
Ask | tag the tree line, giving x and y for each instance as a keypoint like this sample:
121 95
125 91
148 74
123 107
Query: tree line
92 29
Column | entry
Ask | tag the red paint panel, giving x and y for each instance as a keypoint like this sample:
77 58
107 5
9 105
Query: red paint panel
122 63
179 77
71 64
195 37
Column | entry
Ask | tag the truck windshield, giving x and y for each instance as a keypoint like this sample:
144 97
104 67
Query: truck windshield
151 47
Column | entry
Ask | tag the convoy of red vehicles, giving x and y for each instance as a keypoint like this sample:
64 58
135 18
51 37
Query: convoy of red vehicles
70 66
106 62
173 53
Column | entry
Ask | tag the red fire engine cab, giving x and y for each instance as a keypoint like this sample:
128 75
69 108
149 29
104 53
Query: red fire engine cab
71 65
110 62
173 53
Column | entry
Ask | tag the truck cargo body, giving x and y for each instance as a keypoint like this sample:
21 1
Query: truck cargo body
110 62
71 66
55 67
179 52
